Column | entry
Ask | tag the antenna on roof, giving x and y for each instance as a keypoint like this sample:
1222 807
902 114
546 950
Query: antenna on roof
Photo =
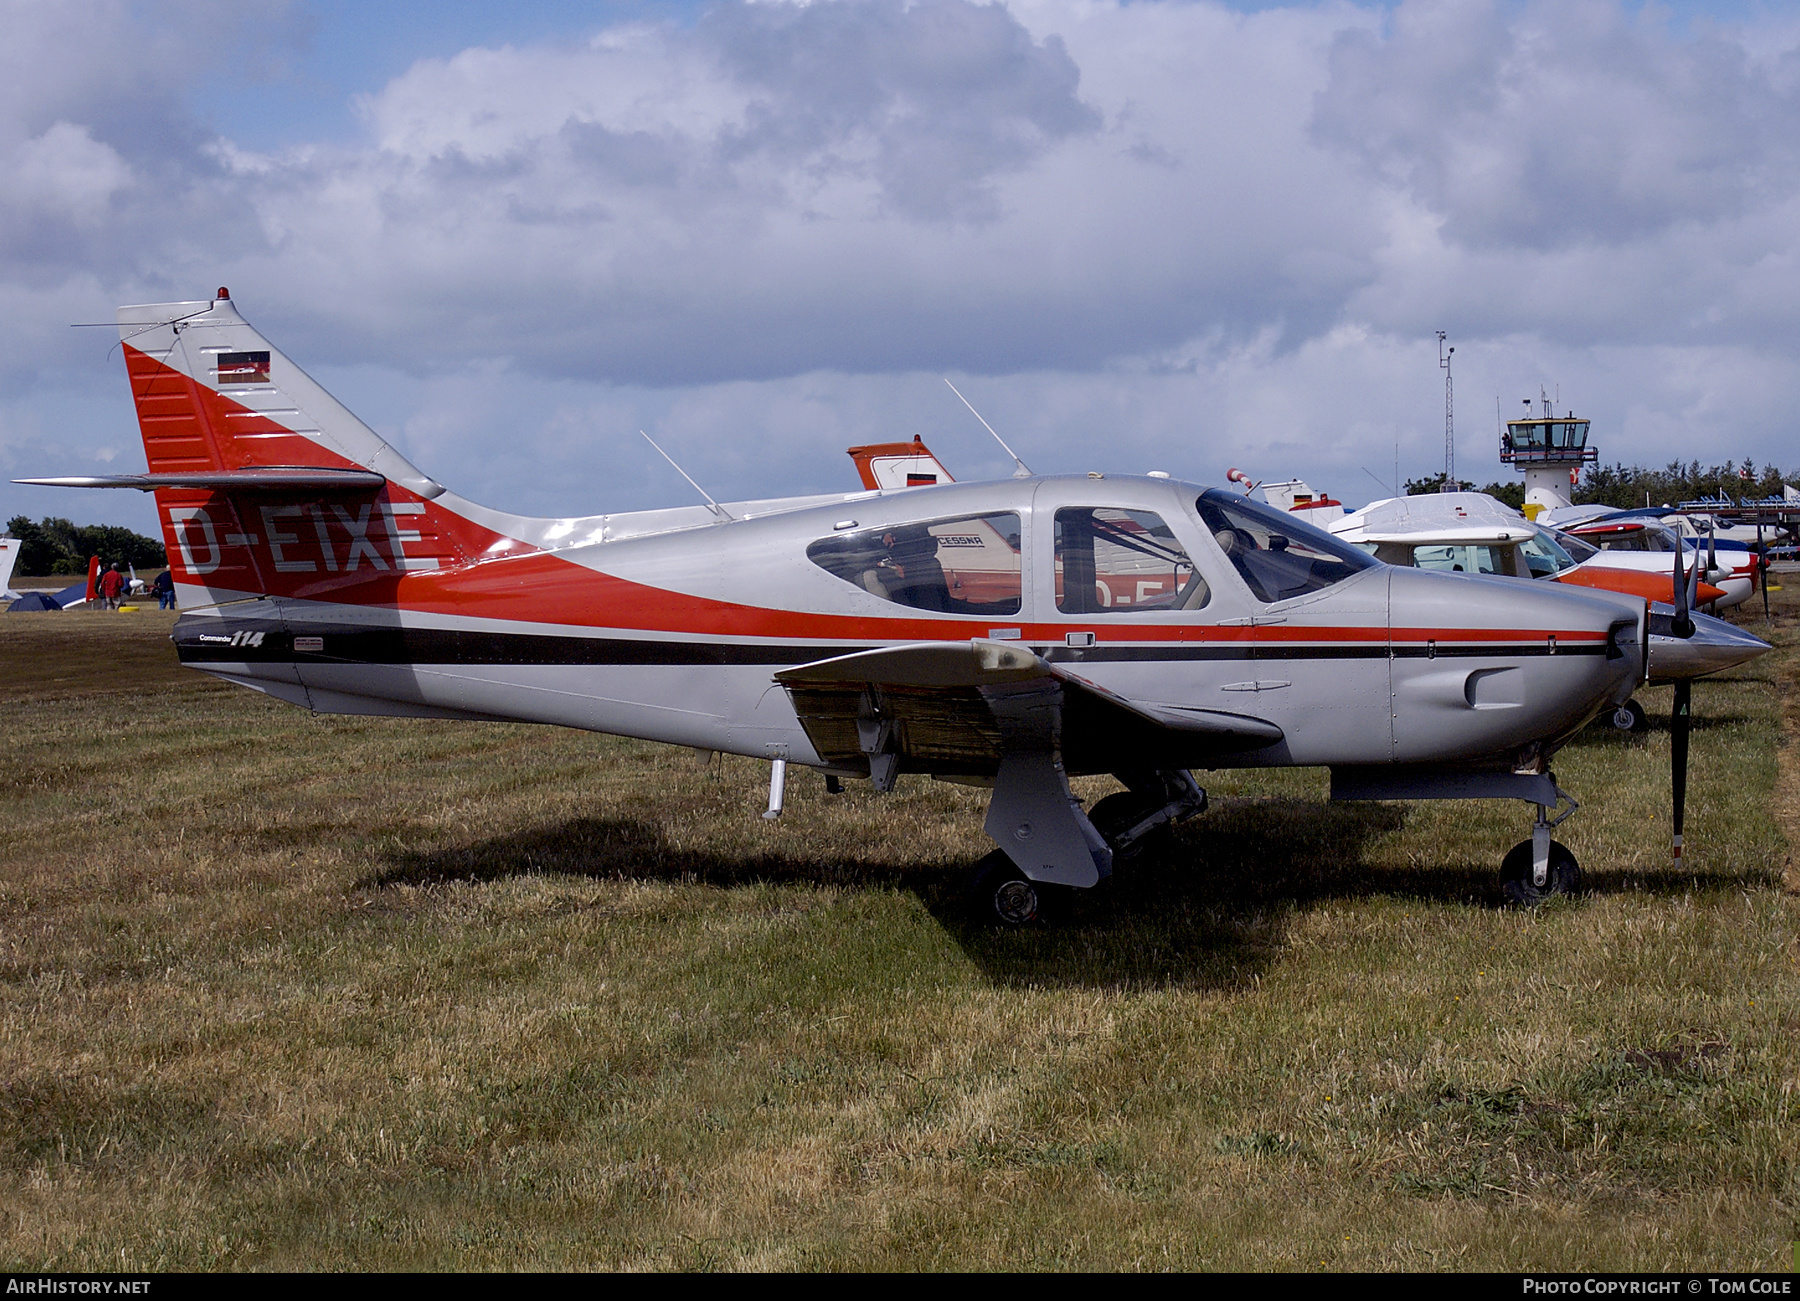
1023 472
711 505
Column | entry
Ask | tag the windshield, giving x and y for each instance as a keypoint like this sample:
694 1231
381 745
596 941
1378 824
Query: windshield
1544 555
1277 555
1579 551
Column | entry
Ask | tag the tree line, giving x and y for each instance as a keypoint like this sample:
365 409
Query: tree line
1627 486
56 546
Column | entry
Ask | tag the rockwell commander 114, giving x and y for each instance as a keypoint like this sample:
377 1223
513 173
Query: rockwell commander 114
1007 634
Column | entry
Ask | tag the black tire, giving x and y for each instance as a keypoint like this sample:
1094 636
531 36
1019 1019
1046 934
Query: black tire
1515 875
1117 813
1633 711
1001 895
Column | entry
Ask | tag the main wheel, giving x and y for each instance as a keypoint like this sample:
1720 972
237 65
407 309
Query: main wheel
1001 895
1630 717
1118 813
1521 891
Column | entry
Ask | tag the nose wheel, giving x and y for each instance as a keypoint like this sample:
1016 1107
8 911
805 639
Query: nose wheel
1630 717
1562 875
1540 868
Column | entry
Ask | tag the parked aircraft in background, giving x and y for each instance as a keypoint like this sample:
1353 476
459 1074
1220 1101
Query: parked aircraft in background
1645 545
1296 495
9 556
1473 533
899 465
1006 634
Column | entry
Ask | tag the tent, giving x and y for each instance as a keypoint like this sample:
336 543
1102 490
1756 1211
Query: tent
33 601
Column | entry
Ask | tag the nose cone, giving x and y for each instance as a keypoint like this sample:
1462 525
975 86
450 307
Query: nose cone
1715 645
1481 668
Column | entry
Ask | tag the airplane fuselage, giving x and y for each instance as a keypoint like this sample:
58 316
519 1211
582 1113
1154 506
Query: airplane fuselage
675 636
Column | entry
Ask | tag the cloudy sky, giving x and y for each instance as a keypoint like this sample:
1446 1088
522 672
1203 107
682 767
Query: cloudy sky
1178 236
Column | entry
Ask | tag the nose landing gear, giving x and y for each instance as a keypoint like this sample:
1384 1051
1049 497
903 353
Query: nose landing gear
1534 870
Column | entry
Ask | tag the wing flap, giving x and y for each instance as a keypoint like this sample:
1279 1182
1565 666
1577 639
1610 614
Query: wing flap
952 709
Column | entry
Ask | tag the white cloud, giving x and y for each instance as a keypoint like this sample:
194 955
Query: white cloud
1186 236
1562 124
65 174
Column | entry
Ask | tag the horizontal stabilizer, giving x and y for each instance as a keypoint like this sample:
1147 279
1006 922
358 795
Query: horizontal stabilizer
273 478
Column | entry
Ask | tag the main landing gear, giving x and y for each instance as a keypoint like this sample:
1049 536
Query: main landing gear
1013 886
1001 895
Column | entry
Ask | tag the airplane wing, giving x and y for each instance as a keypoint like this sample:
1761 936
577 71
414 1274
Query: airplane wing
954 708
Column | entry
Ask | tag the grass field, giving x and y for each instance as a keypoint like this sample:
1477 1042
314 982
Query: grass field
306 993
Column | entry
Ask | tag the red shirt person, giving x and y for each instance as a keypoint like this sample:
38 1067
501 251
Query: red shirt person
112 583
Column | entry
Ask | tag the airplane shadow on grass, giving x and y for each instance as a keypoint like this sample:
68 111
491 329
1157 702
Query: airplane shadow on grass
1209 906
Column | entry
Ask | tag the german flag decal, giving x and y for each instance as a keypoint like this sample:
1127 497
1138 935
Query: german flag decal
243 368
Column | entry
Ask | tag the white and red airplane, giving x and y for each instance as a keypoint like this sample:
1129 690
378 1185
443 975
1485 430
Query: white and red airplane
1645 546
1007 634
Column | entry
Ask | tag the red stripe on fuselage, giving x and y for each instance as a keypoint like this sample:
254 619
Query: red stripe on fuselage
547 589
543 588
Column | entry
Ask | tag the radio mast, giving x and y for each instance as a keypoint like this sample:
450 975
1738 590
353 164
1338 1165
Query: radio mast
1450 483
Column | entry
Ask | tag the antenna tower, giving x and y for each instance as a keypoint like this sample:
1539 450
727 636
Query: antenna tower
1450 484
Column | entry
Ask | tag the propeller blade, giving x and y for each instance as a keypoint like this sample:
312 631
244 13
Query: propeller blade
1679 720
1682 625
1762 566
1712 548
1693 592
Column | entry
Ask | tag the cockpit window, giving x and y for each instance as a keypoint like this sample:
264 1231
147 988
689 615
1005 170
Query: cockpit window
1277 555
956 566
1113 561
1462 558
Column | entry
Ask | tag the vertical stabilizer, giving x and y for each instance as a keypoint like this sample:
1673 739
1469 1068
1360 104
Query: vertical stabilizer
9 556
899 465
265 484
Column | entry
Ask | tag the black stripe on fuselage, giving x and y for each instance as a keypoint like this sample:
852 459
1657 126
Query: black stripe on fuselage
444 646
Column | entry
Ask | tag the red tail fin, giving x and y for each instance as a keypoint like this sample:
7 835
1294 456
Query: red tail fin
265 484
899 465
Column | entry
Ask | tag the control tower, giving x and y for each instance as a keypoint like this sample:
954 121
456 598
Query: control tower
1551 450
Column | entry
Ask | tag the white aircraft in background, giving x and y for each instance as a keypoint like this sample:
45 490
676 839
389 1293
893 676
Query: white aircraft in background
9 556
1471 532
1319 509
1645 545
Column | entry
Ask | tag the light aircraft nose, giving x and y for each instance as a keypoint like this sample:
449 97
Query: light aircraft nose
1482 667
1715 645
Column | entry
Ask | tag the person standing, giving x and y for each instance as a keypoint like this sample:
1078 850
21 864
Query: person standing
164 587
112 582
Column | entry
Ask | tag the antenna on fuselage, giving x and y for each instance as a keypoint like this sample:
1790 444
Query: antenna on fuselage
711 505
1023 472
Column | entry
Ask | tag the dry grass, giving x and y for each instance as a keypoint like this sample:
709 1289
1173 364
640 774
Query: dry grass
283 992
